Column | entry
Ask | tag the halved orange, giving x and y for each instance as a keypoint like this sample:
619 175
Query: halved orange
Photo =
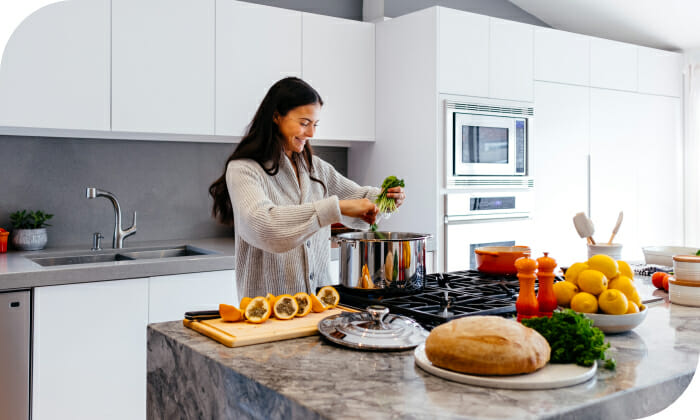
258 310
304 302
329 296
285 307
244 302
316 304
230 313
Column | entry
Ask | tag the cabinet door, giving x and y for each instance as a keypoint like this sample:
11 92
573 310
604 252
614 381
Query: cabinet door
250 57
163 66
659 171
171 296
55 68
89 350
660 72
616 153
561 57
510 60
338 61
463 53
613 65
559 162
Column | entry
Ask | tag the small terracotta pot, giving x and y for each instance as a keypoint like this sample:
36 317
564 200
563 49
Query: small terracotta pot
499 259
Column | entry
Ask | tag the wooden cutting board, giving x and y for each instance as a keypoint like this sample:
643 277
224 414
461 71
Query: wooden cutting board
237 334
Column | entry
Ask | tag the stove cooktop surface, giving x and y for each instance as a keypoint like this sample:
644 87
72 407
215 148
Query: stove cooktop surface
445 296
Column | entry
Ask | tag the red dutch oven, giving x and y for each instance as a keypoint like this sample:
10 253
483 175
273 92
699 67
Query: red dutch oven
499 259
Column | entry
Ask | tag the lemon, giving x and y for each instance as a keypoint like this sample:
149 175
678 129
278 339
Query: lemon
603 263
592 281
625 269
564 291
584 302
626 286
613 302
573 272
632 308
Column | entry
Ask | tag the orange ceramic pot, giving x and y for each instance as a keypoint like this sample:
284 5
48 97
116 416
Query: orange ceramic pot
499 259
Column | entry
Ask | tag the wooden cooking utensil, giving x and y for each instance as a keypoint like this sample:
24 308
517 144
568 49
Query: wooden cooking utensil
616 228
584 226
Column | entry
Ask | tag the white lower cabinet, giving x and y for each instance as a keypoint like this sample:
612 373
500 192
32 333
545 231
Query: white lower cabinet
89 351
89 340
169 297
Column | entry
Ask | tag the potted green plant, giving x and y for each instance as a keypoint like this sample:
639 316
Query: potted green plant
29 229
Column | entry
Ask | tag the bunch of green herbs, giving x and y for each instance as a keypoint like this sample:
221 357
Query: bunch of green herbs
384 203
572 338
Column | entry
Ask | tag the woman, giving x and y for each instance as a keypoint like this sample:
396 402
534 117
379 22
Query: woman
282 199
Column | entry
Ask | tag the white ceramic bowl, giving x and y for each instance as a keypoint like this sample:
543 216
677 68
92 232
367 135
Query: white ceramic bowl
683 295
663 255
617 323
686 267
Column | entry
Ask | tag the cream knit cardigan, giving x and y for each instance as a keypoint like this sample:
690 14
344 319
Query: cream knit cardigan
282 227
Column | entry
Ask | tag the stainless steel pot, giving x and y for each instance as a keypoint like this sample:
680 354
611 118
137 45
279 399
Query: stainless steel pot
388 261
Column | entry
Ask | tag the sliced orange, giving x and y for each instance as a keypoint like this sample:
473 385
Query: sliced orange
304 302
316 304
285 307
244 302
329 296
258 310
230 313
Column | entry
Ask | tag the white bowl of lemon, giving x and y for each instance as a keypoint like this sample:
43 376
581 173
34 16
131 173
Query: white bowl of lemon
602 289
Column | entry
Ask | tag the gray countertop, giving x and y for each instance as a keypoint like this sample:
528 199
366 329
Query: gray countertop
193 376
17 271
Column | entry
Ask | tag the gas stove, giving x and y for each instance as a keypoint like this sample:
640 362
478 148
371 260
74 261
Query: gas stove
445 296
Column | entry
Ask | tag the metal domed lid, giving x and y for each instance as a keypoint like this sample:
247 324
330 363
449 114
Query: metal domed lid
374 329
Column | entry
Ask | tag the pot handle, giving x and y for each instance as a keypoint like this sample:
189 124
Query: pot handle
352 243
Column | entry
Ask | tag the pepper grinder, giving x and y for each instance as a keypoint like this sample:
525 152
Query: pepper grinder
545 276
526 305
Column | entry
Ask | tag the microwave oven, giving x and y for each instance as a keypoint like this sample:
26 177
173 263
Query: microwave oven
487 140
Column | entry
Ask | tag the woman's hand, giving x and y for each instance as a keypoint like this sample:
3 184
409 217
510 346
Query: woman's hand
361 208
398 194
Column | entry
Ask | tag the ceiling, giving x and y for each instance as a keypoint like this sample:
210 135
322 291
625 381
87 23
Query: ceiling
669 24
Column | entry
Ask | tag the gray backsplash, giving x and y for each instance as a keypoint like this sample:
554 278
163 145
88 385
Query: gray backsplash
166 183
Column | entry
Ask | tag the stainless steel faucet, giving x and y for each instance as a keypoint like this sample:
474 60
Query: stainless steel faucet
119 233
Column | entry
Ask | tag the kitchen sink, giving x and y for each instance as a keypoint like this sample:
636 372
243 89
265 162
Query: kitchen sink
120 255
79 259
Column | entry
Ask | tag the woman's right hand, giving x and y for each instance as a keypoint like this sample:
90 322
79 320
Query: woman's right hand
361 208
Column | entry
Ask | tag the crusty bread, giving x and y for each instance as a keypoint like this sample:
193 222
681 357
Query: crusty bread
486 345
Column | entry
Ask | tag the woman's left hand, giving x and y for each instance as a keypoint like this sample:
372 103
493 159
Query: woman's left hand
398 194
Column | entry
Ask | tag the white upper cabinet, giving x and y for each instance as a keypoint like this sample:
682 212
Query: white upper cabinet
163 66
510 60
463 53
613 65
255 47
660 72
562 57
55 68
338 61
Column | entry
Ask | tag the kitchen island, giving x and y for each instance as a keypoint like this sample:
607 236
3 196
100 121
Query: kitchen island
192 376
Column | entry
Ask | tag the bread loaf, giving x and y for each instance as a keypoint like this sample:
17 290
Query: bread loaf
486 345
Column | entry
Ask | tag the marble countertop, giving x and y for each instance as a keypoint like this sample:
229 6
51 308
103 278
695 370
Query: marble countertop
17 271
193 376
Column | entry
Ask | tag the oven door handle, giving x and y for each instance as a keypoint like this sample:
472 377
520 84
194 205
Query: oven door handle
472 219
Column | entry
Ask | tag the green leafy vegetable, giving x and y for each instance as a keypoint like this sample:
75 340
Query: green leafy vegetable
384 203
698 253
572 338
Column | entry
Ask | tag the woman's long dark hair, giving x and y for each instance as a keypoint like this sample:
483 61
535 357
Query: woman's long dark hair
263 142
